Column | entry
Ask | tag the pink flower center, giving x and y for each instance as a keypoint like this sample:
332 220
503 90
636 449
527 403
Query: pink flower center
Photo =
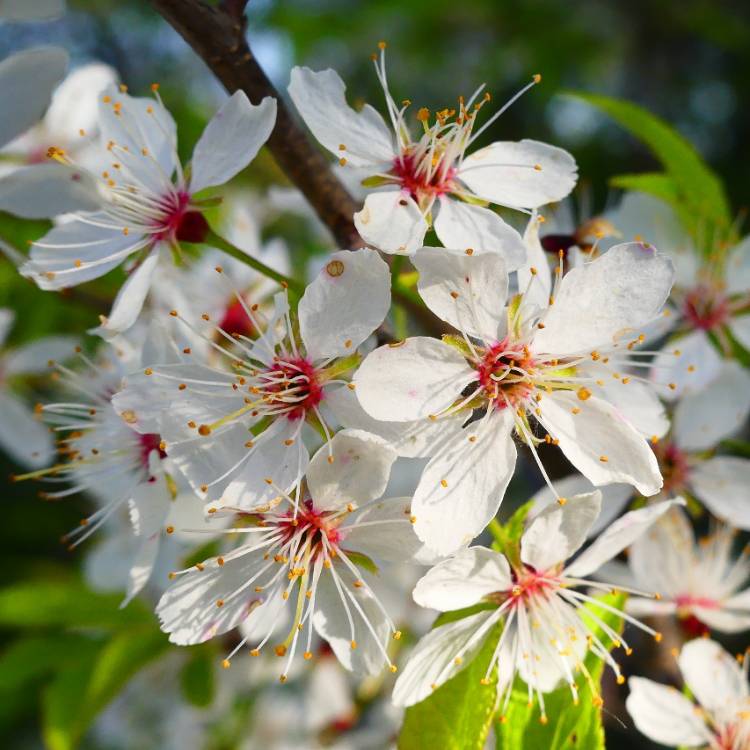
178 221
705 307
150 442
314 524
500 373
294 384
674 466
422 179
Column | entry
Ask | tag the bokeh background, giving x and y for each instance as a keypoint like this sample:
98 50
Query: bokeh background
686 60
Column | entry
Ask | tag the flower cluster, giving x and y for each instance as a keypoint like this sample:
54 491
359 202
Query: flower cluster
230 402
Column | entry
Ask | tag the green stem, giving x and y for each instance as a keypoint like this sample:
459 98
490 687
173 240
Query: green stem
227 247
495 528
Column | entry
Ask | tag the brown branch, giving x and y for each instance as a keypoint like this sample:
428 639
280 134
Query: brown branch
217 34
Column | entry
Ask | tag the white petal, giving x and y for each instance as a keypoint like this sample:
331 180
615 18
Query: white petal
188 610
358 473
231 140
462 225
463 580
723 620
320 98
391 221
46 190
664 715
23 437
559 531
602 301
75 102
79 252
703 419
27 80
34 358
141 568
394 541
615 498
463 485
737 273
504 173
621 534
331 622
599 442
467 291
536 287
713 675
642 217
638 403
412 380
39 10
661 558
418 439
433 660
136 125
740 328
129 300
345 303
721 484
646 607
686 365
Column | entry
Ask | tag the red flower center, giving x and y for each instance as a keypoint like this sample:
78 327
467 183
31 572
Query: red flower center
421 181
501 372
151 441
706 308
299 388
178 221
316 525
674 466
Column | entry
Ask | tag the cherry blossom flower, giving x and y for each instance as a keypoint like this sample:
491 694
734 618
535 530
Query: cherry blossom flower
23 436
545 635
719 719
711 297
27 79
561 363
306 562
430 173
150 204
700 581
237 435
103 456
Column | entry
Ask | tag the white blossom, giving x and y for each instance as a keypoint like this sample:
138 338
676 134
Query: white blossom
306 565
236 434
562 364
545 636
149 200
428 179
719 716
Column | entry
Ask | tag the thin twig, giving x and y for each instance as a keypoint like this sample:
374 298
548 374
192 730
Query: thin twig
217 34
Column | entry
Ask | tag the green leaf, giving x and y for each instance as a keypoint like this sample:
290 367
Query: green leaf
65 603
699 189
82 689
658 184
569 725
61 701
198 676
458 715
29 661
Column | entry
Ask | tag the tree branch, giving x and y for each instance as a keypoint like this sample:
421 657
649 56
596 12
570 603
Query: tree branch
217 35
